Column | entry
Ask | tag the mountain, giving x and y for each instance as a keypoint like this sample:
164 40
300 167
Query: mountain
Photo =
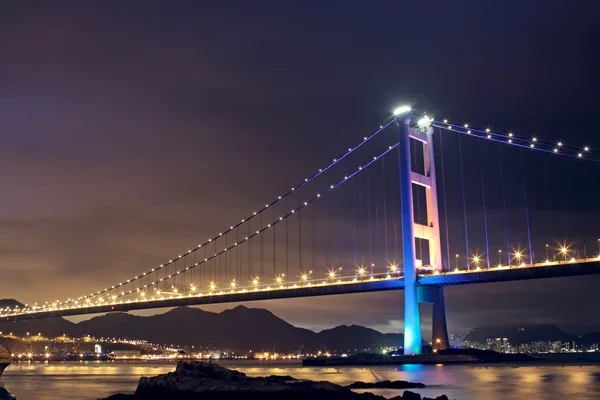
357 337
517 335
10 303
238 329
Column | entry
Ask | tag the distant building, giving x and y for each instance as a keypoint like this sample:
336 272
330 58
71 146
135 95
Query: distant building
127 353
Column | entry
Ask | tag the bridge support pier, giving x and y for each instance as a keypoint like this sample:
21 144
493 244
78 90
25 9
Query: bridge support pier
435 296
411 229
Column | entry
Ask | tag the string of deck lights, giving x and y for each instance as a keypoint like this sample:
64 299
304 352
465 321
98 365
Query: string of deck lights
232 227
221 252
558 148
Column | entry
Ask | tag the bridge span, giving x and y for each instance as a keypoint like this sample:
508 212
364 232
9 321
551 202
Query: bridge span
324 287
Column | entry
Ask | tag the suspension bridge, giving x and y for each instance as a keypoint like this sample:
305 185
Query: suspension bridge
417 205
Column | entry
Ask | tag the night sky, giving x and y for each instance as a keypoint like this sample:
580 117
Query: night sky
131 130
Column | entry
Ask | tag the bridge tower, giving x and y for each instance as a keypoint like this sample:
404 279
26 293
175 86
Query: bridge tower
413 293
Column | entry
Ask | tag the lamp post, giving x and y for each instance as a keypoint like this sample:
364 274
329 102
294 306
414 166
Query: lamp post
546 252
456 263
564 251
499 258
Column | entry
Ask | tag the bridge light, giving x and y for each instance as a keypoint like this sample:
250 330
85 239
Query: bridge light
255 281
579 155
559 144
212 286
586 148
402 110
489 136
534 139
232 284
304 277
362 271
555 150
332 274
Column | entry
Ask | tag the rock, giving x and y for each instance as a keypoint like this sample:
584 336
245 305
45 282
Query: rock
442 397
197 380
4 395
408 395
5 358
386 385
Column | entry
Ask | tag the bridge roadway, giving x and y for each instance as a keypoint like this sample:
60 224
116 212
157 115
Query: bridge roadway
323 287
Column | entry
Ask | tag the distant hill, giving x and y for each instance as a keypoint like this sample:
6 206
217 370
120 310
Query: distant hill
238 329
517 335
357 337
10 303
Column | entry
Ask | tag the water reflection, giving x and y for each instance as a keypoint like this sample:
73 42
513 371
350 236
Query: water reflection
92 380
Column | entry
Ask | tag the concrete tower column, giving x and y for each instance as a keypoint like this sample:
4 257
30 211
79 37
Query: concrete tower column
435 296
413 294
412 320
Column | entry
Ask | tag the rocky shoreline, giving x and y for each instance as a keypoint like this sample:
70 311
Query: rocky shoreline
198 380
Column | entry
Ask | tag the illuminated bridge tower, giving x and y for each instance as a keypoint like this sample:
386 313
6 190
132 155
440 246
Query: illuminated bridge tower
424 176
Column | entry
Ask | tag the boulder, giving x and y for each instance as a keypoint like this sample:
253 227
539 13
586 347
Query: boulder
198 380
386 385
4 395
408 395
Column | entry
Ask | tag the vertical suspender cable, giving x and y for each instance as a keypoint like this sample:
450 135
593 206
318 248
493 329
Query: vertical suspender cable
396 255
369 218
464 201
300 239
504 201
314 250
354 217
387 258
485 227
287 265
445 203
549 205
526 208
327 244
262 249
274 252
250 255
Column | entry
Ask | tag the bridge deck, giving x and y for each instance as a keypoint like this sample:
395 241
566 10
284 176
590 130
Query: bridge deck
323 288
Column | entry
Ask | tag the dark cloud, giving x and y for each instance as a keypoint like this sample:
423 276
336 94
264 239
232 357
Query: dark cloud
130 131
